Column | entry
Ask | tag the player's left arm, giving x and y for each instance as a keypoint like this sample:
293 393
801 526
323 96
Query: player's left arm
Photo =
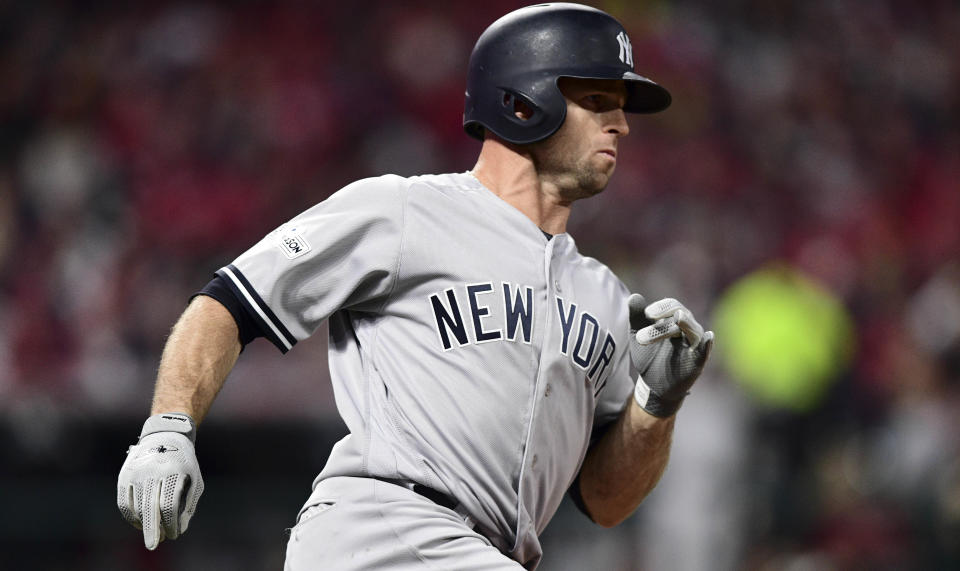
669 349
625 465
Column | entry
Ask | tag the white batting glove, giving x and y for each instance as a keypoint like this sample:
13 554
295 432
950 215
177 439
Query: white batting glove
669 348
160 482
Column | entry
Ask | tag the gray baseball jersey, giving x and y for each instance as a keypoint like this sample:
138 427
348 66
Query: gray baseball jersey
469 351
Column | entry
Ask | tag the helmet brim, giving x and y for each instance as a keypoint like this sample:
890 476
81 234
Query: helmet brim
644 95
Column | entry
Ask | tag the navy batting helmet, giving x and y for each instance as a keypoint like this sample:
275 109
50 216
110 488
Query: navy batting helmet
523 54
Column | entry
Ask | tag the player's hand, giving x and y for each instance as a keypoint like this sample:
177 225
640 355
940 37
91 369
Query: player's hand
160 481
669 348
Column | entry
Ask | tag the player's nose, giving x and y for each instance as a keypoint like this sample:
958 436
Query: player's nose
617 123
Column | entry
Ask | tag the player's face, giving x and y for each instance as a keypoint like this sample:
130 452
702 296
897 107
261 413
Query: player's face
580 157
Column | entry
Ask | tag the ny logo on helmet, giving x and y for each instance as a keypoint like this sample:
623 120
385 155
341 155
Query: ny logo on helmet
626 50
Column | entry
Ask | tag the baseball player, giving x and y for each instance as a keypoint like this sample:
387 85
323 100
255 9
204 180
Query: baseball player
483 367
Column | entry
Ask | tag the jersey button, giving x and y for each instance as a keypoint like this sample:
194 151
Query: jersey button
556 285
533 464
546 392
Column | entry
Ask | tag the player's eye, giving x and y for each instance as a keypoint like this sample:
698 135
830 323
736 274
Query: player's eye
599 102
593 101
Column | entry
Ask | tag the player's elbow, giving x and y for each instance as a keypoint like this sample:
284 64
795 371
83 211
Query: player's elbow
612 522
608 518
607 506
605 509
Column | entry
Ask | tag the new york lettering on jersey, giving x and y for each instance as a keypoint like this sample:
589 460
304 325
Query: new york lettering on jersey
463 316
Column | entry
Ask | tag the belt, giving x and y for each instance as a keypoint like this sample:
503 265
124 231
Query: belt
434 496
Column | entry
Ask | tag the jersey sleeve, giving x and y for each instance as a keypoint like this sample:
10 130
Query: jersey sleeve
612 399
342 253
619 385
248 327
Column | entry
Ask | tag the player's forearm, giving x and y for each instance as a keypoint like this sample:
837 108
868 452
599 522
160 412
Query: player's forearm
201 351
625 465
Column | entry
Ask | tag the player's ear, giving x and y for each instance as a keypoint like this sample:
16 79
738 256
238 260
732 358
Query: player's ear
521 109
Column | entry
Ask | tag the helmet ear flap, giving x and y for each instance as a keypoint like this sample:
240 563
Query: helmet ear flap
519 109
515 116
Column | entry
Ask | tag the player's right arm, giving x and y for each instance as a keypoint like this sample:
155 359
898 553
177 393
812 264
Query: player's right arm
201 350
160 482
341 253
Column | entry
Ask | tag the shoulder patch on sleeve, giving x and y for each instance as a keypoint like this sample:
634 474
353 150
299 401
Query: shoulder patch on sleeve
291 242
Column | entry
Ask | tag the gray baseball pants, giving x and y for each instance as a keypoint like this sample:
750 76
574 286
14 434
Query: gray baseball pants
362 524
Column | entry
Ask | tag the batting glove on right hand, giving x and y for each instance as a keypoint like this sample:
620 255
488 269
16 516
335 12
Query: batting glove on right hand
669 348
160 482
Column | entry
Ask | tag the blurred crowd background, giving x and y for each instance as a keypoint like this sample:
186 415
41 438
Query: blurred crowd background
802 196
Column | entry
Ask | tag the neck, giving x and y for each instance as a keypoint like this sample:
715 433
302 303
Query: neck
510 173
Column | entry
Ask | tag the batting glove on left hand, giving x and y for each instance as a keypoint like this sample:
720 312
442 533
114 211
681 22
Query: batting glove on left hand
160 483
669 348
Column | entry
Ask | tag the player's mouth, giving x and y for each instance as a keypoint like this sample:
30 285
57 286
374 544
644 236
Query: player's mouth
609 152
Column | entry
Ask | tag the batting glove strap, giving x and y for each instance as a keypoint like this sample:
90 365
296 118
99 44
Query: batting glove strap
170 422
650 402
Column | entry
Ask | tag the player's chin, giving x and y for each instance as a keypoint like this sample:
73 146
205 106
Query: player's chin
588 180
603 166
596 180
593 185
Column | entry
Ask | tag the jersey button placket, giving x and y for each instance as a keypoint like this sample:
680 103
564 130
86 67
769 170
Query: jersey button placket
528 461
